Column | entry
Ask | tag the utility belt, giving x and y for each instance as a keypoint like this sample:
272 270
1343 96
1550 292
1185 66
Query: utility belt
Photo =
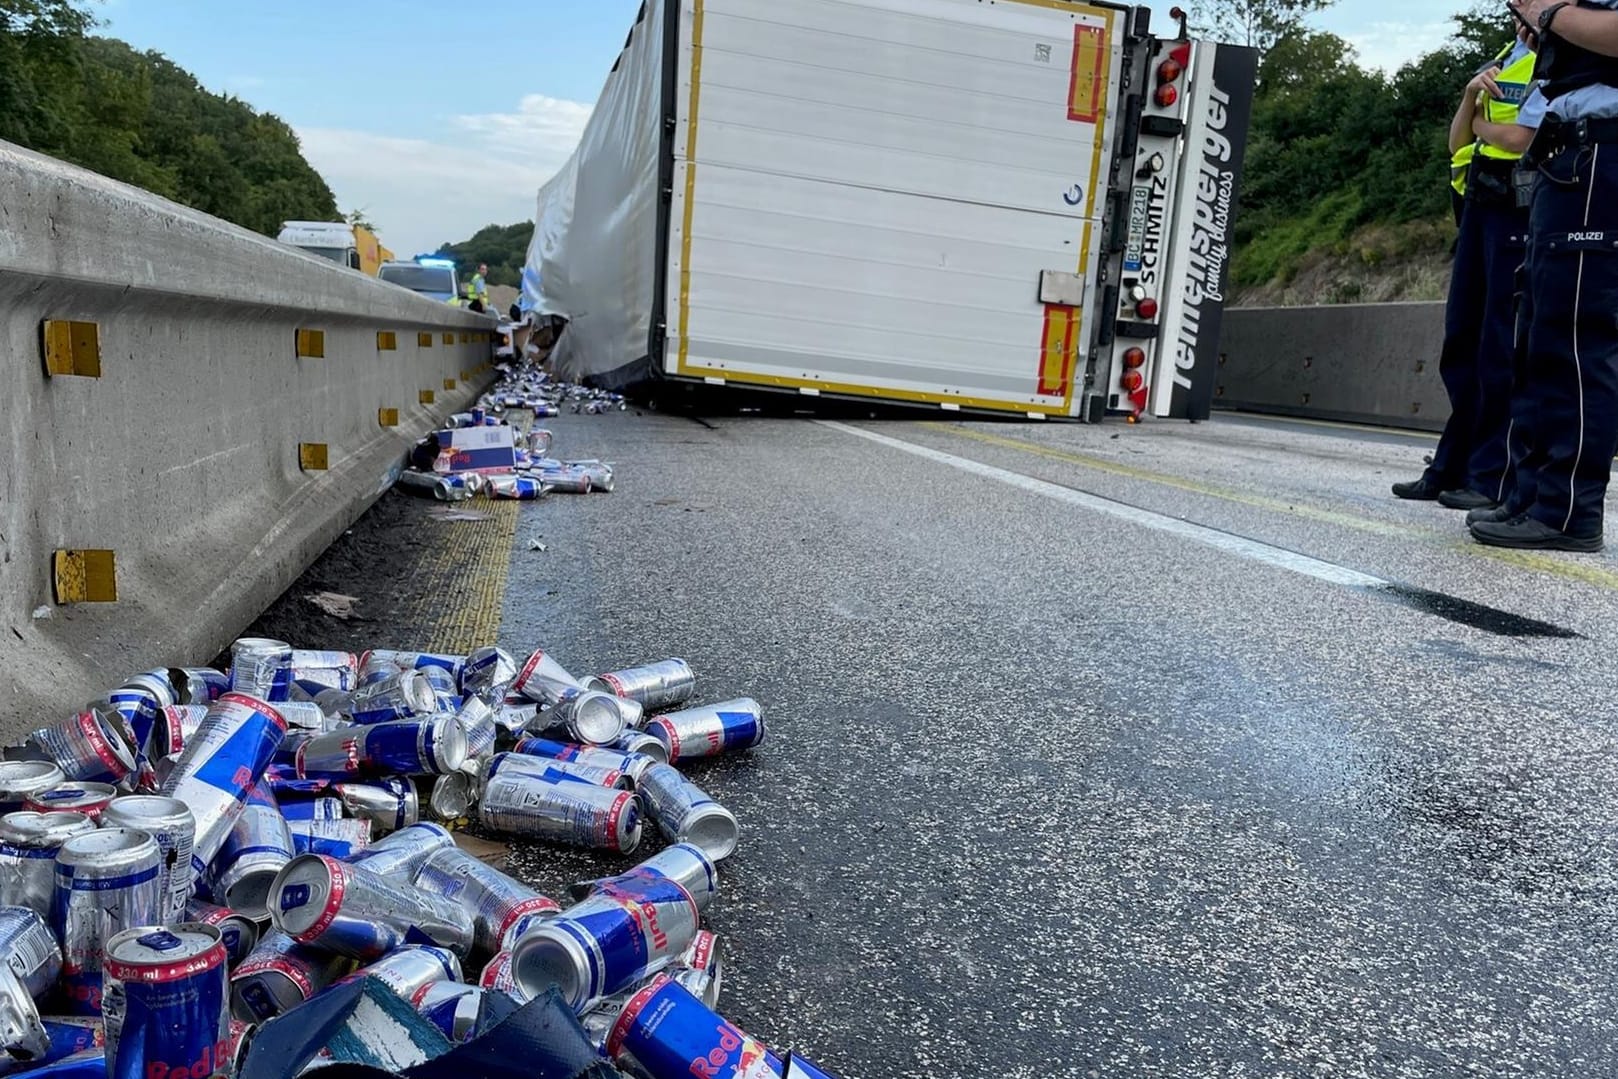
1554 136
1492 182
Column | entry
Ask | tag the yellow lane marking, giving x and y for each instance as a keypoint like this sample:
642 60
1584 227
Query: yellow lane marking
1532 561
461 586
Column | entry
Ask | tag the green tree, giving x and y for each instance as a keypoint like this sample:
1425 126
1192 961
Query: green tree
1260 23
503 247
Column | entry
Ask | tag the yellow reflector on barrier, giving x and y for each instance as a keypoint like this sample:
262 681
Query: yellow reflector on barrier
466 376
424 340
312 344
449 383
312 456
426 397
387 417
386 341
72 348
465 337
85 576
449 338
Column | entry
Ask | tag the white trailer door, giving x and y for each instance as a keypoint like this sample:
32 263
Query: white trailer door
867 193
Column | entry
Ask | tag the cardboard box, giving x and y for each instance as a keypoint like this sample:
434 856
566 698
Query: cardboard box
476 449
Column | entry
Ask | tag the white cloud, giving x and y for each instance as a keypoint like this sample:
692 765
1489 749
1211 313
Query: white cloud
423 192
1389 45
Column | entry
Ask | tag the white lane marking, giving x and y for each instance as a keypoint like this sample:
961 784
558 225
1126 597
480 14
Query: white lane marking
1228 542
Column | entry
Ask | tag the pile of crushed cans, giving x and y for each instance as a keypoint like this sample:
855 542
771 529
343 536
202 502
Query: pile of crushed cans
253 873
534 475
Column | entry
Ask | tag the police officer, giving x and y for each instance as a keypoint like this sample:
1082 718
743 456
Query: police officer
1567 404
480 284
1491 129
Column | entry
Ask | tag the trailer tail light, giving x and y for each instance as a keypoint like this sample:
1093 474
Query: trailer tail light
1166 96
1147 309
1170 71
1132 382
1134 358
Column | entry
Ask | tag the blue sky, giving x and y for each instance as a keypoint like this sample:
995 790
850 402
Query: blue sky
439 118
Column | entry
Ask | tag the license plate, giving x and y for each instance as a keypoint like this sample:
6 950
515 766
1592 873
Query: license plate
1139 203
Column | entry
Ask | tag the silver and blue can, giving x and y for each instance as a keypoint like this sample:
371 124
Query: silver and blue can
259 845
29 843
279 975
20 780
576 814
664 1030
339 838
402 854
397 696
493 899
232 747
323 807
106 882
446 690
557 771
238 932
167 1002
30 950
587 716
477 720
418 661
345 908
685 814
198 685
629 764
169 821
409 969
709 730
627 929
653 685
488 674
261 668
497 975
88 798
313 671
389 804
431 745
644 744
89 747
451 1006
682 862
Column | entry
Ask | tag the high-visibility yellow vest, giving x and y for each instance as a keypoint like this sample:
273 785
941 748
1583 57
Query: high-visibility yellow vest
1514 81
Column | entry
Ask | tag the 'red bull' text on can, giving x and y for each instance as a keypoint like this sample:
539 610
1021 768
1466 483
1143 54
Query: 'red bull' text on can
666 1031
169 821
166 1003
576 814
347 909
28 845
709 730
654 685
280 974
493 899
234 745
106 882
627 928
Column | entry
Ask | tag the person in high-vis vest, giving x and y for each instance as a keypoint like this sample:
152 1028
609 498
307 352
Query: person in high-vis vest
1565 416
1492 127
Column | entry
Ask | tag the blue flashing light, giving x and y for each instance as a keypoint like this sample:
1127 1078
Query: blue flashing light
429 261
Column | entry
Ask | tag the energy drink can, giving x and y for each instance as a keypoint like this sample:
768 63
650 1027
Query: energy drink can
106 882
599 473
571 481
313 671
436 744
477 721
576 814
89 747
627 929
261 668
259 845
23 1038
19 780
543 680
452 796
524 488
176 725
698 968
389 804
319 808
642 743
198 685
398 696
684 863
169 821
345 908
408 970
614 760
446 690
556 771
91 799
137 702
450 1006
488 674
491 898
279 975
497 975
70 1034
586 716
655 685
685 814
237 932
418 661
28 845
30 950
664 1030
232 747
166 1002
402 854
709 730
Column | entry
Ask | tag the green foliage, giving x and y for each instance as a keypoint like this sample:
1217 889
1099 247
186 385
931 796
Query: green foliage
1335 149
1260 23
503 247
139 118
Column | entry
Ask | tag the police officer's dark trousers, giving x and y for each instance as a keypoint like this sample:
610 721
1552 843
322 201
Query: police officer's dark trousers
1566 415
1476 361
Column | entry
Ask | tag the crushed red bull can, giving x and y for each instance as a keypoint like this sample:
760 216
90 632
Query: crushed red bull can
21 780
663 684
345 908
578 814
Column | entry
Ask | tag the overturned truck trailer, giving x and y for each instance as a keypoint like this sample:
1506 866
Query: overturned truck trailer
1022 206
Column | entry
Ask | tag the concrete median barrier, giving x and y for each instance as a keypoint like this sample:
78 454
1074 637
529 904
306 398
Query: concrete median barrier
1364 363
192 412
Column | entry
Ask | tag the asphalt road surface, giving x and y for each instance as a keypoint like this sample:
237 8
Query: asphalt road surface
1160 750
